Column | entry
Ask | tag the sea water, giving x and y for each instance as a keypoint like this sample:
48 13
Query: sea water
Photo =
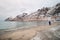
9 24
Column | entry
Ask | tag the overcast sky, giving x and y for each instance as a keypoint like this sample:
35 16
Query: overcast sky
15 7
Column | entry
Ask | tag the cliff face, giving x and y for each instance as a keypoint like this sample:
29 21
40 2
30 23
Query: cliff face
40 14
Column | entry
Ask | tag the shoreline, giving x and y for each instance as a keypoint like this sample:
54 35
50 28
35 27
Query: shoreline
25 34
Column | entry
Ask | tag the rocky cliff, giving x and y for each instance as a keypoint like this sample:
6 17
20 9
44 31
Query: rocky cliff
40 14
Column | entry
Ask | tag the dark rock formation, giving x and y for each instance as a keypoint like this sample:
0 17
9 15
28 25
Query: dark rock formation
9 19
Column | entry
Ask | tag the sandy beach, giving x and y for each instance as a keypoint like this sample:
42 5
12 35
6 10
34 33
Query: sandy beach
25 34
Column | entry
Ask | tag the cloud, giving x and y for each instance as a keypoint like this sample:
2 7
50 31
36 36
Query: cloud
15 7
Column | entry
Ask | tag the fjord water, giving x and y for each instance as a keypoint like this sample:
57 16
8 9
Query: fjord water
9 24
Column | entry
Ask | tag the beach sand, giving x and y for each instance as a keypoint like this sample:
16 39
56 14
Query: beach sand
25 34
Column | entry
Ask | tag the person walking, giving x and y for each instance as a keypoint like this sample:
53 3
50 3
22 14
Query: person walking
49 20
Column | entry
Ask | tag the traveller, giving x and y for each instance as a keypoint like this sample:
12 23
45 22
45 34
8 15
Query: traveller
49 22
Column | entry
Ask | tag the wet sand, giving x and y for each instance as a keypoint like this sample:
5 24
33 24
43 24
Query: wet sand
25 34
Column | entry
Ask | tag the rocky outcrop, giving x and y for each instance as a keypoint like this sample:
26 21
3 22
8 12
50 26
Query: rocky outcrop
9 19
17 18
40 14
